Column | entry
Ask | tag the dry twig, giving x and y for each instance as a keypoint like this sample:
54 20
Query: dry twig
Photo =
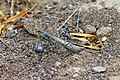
68 18
78 20
67 45
12 8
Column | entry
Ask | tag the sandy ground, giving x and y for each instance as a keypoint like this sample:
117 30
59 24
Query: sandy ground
19 61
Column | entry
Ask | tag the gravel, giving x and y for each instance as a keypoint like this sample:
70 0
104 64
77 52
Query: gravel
38 48
10 33
103 31
21 62
99 69
114 78
90 29
1 65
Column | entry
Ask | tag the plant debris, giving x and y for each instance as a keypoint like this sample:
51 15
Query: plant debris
50 41
67 45
2 16
3 29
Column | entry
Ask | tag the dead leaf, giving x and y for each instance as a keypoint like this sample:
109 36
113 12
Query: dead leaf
2 16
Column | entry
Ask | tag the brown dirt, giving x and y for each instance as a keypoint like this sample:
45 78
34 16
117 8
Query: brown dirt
20 62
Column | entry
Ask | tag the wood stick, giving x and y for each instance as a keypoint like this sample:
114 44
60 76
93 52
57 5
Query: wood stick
67 45
12 8
68 18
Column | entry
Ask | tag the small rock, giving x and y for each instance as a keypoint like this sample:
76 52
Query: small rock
76 75
99 69
38 78
111 20
38 48
10 33
90 29
116 41
103 31
63 7
57 64
71 6
1 65
75 69
52 72
104 39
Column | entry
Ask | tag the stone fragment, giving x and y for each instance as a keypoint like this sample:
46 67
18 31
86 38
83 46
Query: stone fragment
58 63
103 31
90 29
99 69
38 48
104 39
1 65
76 75
10 33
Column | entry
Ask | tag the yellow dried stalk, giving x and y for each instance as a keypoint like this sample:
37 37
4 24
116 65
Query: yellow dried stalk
13 18
2 16
91 47
3 29
16 26
98 45
1 26
80 39
82 35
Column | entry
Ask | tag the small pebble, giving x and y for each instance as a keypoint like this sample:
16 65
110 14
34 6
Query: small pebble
58 63
1 65
90 29
99 69
63 7
38 78
104 39
116 41
111 20
10 33
76 75
103 31
38 48
71 6
17 12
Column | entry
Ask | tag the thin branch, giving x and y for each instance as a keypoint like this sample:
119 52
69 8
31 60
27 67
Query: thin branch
69 46
12 8
68 18
78 20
